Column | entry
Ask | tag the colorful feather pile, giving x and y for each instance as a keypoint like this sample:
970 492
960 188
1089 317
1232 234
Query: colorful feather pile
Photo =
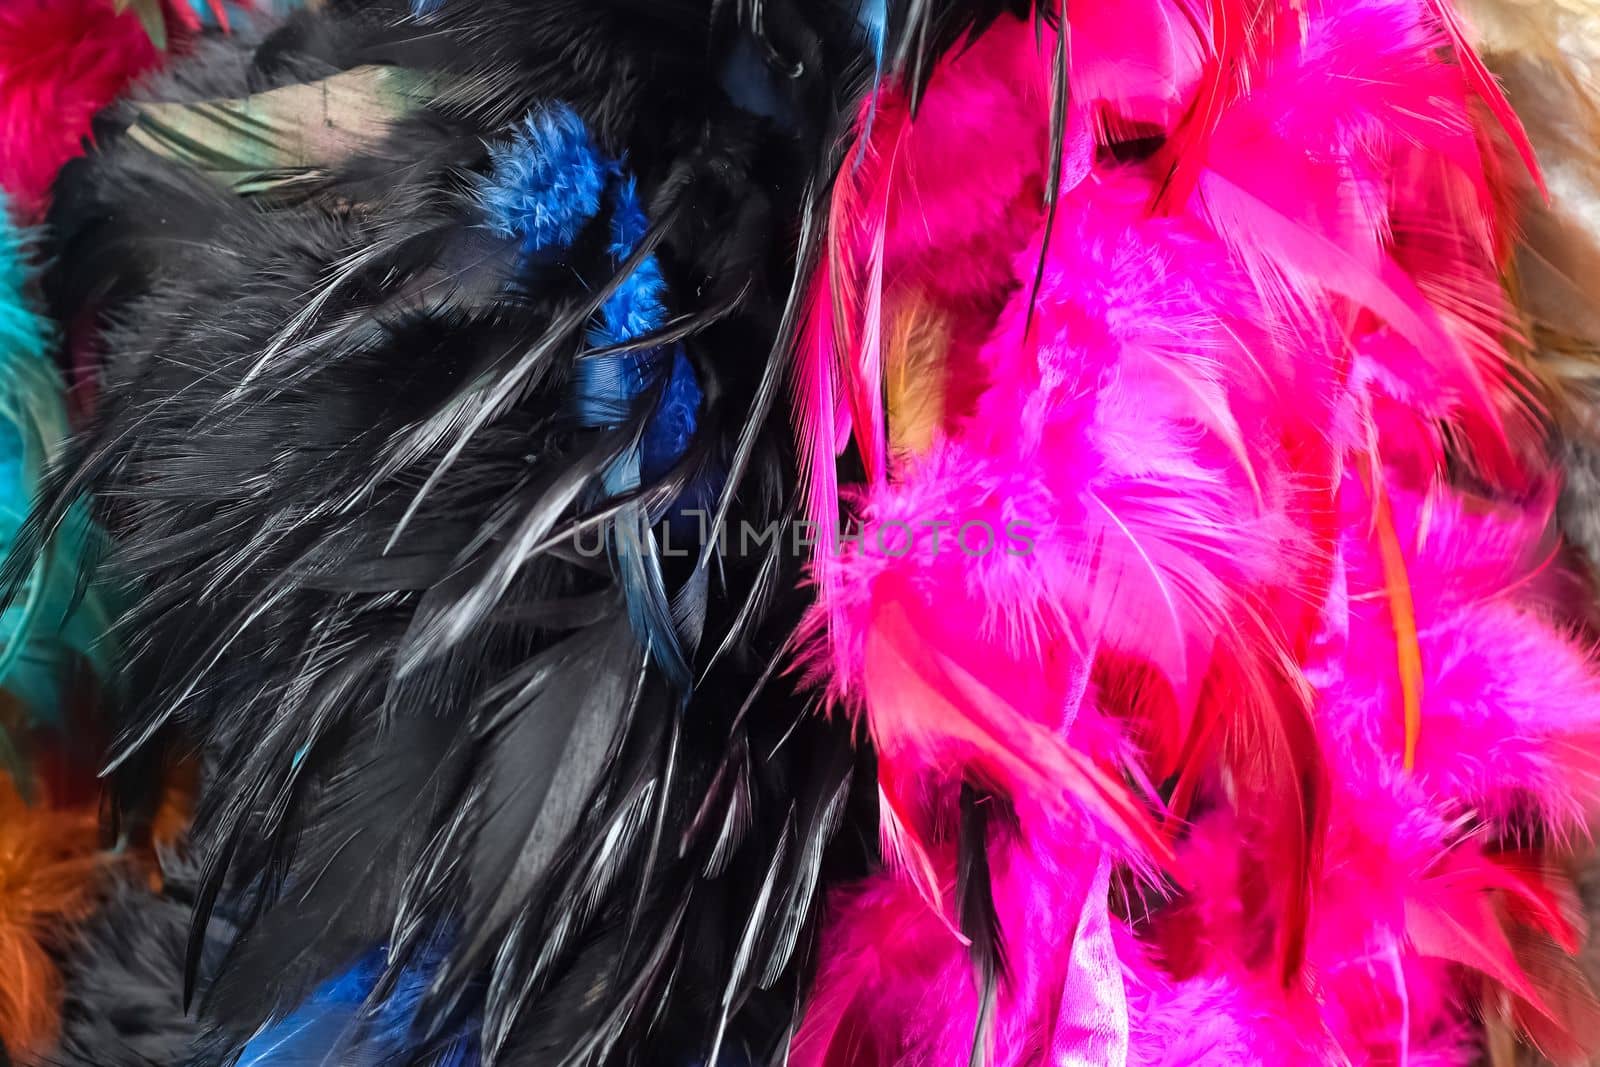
901 533
491 771
49 850
59 64
61 61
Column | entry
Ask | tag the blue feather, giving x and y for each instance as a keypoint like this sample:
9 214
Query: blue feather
636 308
612 385
48 626
873 18
748 80
667 435
544 187
207 14
338 1027
546 183
608 386
629 223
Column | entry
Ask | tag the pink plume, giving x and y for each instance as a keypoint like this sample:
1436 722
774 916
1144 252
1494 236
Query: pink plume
1234 419
60 62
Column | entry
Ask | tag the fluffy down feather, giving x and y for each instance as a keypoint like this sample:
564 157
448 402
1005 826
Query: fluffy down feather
48 864
122 975
60 62
1224 338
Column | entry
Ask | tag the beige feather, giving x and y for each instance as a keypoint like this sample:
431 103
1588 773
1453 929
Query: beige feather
1547 55
914 373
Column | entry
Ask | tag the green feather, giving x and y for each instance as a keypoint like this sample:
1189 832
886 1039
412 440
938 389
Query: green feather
269 141
150 15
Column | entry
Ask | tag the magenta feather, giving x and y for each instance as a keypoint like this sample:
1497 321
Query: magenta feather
1290 621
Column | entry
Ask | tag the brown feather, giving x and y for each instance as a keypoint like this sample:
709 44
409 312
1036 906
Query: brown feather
1547 54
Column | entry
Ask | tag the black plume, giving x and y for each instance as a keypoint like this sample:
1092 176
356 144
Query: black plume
394 464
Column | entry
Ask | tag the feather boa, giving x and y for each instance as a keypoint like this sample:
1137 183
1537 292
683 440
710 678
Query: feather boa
1248 571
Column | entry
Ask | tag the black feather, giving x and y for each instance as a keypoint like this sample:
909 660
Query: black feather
336 447
122 1001
920 32
1059 92
980 922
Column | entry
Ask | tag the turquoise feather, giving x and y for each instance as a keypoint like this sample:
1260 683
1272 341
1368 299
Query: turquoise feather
47 628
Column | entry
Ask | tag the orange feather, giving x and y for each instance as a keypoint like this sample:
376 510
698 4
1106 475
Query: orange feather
1402 611
49 859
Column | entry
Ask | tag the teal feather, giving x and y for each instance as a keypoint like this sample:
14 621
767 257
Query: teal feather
48 628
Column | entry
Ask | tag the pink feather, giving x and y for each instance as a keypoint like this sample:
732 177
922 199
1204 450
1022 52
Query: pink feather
1488 90
60 62
1292 300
